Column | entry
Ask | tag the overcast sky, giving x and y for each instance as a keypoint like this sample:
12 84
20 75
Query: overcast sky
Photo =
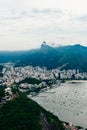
24 24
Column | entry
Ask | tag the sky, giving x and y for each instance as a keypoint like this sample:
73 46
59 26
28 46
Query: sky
25 24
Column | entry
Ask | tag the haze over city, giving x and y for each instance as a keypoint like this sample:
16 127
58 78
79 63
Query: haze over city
24 24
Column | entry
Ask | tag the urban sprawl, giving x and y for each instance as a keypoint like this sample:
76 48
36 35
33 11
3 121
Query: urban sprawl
43 79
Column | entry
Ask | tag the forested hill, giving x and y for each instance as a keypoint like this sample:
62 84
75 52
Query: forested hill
65 57
24 114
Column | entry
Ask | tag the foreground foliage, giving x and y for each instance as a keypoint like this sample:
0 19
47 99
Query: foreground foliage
30 81
2 92
23 114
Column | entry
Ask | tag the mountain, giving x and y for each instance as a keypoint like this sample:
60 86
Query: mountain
24 114
69 57
45 48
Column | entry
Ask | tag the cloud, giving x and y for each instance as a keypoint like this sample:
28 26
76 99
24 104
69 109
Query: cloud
10 17
46 11
15 14
82 18
30 22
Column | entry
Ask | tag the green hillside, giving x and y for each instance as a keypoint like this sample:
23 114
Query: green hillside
24 114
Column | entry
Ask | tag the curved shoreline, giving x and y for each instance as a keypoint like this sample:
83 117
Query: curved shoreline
68 102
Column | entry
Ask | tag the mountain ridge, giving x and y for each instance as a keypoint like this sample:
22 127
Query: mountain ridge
71 56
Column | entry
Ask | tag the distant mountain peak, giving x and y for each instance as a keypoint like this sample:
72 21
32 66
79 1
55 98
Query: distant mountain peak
45 47
51 45
44 43
77 45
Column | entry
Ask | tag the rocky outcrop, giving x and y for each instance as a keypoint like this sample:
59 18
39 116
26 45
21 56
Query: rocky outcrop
46 125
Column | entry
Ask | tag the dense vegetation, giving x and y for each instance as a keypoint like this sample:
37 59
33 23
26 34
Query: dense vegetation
30 81
1 68
24 114
2 92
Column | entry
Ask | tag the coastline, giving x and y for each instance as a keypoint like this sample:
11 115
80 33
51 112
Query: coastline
55 101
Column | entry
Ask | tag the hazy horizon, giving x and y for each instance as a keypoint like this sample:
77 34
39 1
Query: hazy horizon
52 45
24 24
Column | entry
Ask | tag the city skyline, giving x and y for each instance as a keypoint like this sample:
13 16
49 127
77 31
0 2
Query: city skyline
24 24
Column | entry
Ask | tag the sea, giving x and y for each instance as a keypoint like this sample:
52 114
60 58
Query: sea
67 101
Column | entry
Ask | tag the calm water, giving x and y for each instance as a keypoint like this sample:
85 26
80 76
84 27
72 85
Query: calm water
68 102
